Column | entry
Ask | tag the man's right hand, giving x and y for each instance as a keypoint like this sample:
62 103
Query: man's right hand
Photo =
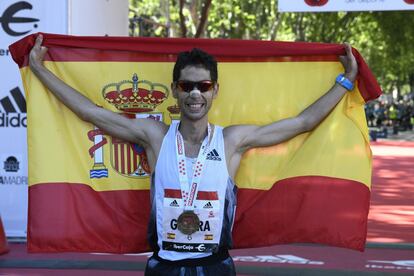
37 54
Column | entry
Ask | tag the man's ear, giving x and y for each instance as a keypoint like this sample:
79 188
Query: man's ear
174 90
216 89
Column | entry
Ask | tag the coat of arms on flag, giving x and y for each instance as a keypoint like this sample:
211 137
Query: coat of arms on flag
133 99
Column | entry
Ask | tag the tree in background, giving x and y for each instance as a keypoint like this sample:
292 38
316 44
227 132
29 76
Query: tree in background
384 38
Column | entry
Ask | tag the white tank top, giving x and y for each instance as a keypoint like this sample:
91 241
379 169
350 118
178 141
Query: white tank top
212 203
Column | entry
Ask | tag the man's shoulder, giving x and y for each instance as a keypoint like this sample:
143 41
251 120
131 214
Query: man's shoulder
233 129
231 132
154 129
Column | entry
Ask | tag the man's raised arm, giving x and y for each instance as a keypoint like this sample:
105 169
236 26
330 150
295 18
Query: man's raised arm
243 137
138 130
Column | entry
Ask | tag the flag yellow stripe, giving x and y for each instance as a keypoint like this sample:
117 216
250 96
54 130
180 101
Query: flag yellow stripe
254 93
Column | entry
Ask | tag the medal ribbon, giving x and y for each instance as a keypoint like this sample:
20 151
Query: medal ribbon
189 192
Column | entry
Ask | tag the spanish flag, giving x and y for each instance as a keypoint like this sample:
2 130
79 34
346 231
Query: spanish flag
90 192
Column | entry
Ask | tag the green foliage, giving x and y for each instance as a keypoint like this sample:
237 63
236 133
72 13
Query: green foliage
395 65
383 38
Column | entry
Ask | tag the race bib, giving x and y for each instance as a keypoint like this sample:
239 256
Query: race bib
207 208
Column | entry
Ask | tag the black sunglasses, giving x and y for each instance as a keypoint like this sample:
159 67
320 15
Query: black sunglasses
188 86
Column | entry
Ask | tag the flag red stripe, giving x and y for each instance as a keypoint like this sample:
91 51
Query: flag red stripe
92 55
294 210
156 49
162 46
122 151
116 145
135 159
128 158
314 209
73 217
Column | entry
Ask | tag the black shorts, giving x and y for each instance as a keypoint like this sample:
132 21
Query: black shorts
214 265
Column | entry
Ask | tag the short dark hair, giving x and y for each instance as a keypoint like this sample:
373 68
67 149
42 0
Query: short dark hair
195 57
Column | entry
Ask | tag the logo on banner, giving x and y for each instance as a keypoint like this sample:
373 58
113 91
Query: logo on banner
11 164
13 112
316 2
391 265
410 2
133 99
278 259
9 18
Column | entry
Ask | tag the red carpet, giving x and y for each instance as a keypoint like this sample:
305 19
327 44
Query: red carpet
391 217
275 260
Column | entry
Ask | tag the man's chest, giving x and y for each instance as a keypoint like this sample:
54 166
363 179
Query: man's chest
192 150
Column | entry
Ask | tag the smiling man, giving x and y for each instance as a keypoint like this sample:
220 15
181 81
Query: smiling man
193 162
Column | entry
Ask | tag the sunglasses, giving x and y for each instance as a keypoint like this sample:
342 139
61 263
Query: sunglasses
188 86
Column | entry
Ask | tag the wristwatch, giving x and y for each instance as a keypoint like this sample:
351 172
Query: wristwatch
344 82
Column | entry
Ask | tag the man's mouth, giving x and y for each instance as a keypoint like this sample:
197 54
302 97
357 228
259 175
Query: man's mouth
195 106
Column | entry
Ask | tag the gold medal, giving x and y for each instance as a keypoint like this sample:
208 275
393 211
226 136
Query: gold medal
188 223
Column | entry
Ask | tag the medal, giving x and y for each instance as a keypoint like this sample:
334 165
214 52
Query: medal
188 222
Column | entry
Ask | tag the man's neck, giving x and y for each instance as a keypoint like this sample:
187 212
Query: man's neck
194 132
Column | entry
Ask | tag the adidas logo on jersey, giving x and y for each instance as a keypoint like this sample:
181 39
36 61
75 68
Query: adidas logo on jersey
213 155
208 205
174 203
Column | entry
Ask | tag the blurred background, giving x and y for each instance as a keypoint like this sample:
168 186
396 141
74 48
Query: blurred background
381 30
384 38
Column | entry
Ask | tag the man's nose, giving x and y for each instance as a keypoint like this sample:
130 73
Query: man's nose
195 92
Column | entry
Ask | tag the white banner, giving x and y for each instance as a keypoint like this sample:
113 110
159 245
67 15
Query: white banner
18 19
344 5
98 17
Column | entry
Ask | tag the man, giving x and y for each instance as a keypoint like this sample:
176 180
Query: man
182 162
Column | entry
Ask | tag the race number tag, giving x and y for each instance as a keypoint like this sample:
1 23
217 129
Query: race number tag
206 238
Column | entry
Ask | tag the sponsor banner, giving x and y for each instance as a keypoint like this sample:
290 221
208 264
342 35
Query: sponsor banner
391 265
344 5
278 259
328 259
19 18
325 262
323 259
13 192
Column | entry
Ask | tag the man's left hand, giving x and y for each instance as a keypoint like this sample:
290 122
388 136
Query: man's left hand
349 62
